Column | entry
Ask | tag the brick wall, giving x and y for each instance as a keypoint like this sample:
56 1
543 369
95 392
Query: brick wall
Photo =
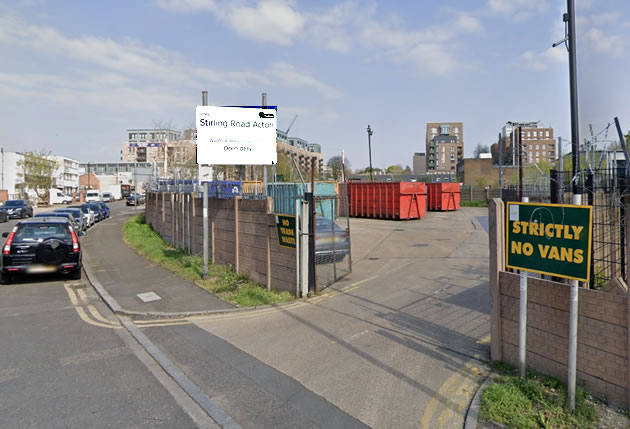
241 233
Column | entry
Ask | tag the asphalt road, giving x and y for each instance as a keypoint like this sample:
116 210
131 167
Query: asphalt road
65 362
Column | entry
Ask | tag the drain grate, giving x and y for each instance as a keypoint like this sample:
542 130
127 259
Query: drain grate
419 245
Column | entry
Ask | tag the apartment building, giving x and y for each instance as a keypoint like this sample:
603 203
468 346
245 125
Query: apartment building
537 143
147 145
444 146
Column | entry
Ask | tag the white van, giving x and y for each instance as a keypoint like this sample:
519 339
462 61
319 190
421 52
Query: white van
58 197
91 196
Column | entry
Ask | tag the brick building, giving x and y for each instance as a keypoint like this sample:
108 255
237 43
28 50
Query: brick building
538 143
474 171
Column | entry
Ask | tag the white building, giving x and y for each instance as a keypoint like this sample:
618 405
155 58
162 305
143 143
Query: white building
66 174
10 173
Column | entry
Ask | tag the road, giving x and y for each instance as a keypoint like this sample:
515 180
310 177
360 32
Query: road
402 342
65 362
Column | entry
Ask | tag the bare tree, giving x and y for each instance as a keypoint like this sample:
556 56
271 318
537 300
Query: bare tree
479 149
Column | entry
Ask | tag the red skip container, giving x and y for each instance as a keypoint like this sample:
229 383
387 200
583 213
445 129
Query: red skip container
388 200
443 196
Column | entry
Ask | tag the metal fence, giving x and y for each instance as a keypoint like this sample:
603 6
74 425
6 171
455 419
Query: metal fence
333 256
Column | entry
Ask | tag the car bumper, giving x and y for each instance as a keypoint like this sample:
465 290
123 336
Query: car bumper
63 268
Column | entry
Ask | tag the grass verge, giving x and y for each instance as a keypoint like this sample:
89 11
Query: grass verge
474 203
222 280
538 401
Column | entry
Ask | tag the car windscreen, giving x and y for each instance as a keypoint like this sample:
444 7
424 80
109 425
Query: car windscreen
325 225
14 203
36 232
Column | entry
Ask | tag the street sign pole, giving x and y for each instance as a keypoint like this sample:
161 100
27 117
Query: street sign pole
573 327
522 321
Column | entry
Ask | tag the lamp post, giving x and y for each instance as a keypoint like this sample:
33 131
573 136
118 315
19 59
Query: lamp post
369 131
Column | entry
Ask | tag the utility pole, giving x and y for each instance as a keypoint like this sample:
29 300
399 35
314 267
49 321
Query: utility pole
519 138
500 167
204 275
569 18
264 167
369 131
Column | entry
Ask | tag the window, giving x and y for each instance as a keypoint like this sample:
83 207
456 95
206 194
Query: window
546 135
537 147
433 130
535 135
445 129
529 134
455 130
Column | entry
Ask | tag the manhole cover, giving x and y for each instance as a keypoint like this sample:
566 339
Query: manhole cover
425 245
373 259
149 297
400 230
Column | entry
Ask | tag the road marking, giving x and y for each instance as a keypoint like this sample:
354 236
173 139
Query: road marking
92 356
100 321
486 339
82 295
184 322
9 374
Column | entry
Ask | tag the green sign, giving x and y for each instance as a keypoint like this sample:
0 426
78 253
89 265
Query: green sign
286 230
552 239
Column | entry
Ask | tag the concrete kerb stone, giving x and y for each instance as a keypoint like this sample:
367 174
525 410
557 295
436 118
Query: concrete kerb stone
472 415
116 308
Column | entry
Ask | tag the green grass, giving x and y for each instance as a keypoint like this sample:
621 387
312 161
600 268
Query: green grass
474 203
222 280
538 401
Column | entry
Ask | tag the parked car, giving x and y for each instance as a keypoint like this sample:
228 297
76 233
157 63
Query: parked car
77 214
91 196
67 216
41 245
104 208
107 197
4 216
99 215
135 199
330 245
18 208
88 214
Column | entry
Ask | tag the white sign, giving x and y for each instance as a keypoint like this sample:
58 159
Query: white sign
236 135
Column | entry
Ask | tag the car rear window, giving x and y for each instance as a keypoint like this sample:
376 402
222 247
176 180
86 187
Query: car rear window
32 233
14 203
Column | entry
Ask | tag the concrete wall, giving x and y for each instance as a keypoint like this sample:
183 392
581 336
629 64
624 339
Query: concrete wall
242 233
603 332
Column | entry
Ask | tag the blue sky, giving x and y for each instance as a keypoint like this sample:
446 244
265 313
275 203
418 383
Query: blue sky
77 74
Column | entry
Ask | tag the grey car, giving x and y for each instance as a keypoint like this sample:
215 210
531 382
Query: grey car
331 241
77 214
68 216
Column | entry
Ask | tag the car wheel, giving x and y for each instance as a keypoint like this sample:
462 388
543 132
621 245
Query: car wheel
75 275
5 278
22 215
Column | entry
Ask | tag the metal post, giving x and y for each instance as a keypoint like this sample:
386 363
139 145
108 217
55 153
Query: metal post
204 102
264 192
298 209
522 321
314 223
369 131
573 326
519 138
205 230
575 129
500 168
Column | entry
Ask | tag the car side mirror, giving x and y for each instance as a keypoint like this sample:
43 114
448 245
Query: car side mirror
5 234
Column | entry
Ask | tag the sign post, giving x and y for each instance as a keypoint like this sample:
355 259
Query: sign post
553 239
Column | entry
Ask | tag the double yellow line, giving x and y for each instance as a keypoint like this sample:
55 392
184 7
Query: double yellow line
92 315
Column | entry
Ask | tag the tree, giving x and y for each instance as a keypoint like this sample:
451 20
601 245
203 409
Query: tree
479 149
334 163
36 174
481 182
408 170
394 169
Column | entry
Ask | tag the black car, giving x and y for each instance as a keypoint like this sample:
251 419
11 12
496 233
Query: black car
41 245
135 200
18 208
4 216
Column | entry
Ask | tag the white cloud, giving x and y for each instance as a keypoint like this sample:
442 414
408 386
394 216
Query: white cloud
290 75
273 21
603 43
541 61
519 10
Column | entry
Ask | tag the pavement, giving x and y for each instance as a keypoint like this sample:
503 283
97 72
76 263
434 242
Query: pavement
124 274
403 343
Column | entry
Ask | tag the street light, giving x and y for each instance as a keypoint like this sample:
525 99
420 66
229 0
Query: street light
369 131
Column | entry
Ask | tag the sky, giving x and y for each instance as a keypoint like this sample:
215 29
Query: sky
75 75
